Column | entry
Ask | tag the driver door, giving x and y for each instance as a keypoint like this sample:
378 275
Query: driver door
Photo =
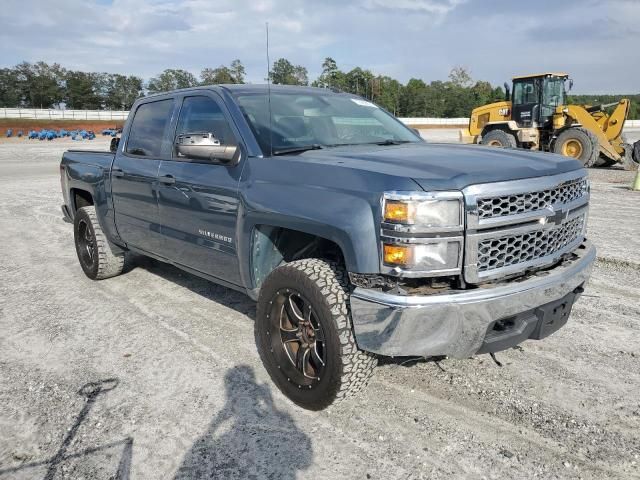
198 199
526 101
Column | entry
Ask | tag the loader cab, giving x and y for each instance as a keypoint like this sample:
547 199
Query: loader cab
534 98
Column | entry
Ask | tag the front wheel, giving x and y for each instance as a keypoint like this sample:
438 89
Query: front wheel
578 143
304 335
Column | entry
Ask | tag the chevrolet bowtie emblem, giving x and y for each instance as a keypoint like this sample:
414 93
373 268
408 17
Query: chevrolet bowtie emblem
557 217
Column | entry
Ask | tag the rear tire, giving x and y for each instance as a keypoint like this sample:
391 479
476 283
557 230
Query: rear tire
578 143
304 334
499 138
96 258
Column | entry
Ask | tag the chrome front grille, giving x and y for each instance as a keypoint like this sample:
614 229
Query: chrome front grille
526 247
513 227
505 205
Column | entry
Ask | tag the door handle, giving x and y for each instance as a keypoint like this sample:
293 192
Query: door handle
117 172
167 179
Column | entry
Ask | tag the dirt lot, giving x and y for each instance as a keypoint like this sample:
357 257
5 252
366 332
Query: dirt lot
154 374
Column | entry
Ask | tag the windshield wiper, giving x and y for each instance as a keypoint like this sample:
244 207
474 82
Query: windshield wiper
300 149
388 141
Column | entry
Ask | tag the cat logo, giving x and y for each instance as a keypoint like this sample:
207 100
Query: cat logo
504 112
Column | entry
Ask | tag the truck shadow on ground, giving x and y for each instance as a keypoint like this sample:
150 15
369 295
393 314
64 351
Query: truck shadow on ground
249 437
211 291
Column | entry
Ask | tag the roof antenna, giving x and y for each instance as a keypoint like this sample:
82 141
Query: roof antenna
269 92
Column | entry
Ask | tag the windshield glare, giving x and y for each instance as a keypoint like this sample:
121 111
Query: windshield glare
304 119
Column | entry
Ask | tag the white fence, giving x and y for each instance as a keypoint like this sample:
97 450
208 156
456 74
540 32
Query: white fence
434 121
45 114
465 121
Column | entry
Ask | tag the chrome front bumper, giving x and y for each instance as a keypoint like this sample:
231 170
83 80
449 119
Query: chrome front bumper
456 324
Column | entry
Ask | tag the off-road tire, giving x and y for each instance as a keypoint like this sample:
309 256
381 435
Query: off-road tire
587 140
326 287
499 138
104 262
631 159
605 162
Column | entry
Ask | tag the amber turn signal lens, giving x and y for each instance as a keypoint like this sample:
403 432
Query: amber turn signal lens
397 255
398 212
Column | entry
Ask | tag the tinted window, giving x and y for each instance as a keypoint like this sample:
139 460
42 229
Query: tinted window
204 115
147 130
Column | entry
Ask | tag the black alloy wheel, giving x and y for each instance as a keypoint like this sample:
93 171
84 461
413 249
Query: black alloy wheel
297 338
87 251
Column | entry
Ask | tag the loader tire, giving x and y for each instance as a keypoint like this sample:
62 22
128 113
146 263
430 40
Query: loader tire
499 138
578 143
605 162
631 159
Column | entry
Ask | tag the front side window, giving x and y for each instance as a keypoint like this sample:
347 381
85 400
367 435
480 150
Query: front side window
553 94
299 119
203 115
525 92
148 128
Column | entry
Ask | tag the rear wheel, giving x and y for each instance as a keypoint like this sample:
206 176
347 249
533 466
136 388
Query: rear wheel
577 143
304 335
499 138
96 258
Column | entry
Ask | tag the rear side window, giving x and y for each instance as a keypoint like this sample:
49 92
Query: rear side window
204 115
148 127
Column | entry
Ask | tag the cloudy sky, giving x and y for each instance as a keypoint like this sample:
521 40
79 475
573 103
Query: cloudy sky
596 41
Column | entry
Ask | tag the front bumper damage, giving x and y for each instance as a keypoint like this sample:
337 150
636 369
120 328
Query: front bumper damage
462 323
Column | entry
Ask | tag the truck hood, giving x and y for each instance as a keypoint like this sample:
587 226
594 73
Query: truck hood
446 166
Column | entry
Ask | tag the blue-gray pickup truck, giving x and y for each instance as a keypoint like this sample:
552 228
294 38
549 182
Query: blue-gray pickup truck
356 238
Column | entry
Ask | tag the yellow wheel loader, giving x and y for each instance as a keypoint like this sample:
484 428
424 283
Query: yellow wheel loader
535 116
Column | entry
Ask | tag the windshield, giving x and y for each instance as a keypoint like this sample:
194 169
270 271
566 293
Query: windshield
553 94
303 119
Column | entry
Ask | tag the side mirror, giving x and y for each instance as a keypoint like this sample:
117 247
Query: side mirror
205 146
113 146
570 84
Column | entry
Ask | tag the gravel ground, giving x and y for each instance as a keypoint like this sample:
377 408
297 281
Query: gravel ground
154 374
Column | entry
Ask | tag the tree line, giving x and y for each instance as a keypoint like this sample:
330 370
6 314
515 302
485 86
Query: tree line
43 85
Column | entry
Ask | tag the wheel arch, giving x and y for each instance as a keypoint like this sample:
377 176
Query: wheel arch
509 126
80 197
273 244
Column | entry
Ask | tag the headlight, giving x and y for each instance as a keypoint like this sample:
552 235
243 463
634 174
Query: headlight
422 233
436 211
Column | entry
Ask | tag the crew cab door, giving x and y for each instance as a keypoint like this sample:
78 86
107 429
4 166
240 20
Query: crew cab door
198 199
134 176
